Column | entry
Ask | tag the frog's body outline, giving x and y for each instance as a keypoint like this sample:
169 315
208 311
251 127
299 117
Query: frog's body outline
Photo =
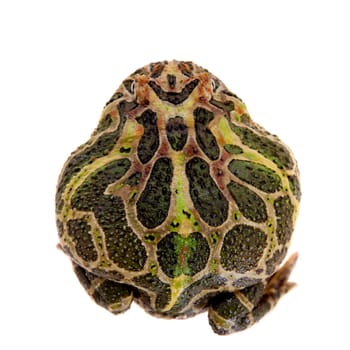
180 202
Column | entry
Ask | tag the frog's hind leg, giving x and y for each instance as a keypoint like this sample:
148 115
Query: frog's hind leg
233 312
115 297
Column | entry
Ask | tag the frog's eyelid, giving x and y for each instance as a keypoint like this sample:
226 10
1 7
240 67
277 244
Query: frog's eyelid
214 86
132 87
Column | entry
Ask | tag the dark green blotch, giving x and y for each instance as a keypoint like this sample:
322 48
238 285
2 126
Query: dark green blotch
154 201
123 246
174 97
186 68
91 191
111 292
144 299
150 238
233 149
228 306
206 140
229 93
85 277
208 282
157 69
255 174
125 149
215 237
249 203
80 231
149 142
227 106
186 213
275 261
108 274
295 186
155 285
115 96
199 253
140 71
167 255
254 292
105 122
245 119
134 179
242 248
102 146
274 151
202 303
177 133
284 210
262 308
60 228
207 198
244 282
174 224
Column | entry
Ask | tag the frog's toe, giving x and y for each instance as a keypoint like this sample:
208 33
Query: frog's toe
113 296
233 312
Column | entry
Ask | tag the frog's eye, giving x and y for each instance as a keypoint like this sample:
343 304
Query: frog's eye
130 85
214 84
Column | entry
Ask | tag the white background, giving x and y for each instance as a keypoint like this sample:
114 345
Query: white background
59 63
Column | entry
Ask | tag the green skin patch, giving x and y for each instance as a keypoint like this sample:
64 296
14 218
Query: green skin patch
184 248
233 149
179 255
184 220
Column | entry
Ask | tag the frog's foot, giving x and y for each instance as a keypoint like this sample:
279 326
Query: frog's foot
115 297
233 312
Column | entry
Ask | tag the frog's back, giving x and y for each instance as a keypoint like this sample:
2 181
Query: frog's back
178 194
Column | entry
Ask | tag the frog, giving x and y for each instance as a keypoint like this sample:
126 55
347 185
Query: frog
180 202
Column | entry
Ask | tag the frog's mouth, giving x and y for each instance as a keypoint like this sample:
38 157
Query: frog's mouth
171 96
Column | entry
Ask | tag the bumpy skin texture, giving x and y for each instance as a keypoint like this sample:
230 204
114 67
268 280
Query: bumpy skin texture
180 202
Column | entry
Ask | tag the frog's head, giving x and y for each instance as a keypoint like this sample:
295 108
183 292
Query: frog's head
173 82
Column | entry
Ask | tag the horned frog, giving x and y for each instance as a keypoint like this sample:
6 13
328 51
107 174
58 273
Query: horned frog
180 202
